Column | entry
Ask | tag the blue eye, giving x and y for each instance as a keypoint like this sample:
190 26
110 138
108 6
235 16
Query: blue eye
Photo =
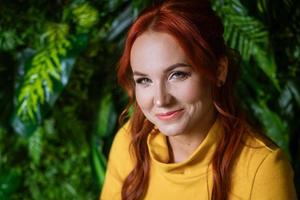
143 81
179 75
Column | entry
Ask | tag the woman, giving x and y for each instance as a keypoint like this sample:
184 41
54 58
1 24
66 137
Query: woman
186 138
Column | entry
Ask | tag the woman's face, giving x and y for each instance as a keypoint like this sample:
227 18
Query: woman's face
169 92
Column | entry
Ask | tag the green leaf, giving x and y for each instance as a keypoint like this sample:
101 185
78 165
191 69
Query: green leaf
249 36
267 63
294 89
107 116
9 39
120 24
35 145
38 90
275 127
85 16
56 32
9 183
99 162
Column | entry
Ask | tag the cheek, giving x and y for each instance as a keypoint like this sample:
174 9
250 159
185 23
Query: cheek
143 98
192 92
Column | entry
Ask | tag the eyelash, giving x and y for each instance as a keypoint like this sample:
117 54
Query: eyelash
177 75
180 75
143 81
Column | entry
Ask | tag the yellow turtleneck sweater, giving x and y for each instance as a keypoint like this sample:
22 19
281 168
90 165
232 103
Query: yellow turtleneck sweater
261 171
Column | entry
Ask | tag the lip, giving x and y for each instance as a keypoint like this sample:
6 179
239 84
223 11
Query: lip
169 115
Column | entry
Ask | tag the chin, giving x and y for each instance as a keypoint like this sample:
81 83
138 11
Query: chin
170 130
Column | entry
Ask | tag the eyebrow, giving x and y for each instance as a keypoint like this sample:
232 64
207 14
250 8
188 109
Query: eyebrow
170 68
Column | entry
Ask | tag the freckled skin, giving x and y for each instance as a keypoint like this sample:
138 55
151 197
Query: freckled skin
161 91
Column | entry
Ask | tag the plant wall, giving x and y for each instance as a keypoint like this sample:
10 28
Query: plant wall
60 102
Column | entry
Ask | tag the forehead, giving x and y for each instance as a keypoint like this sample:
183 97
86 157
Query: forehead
155 50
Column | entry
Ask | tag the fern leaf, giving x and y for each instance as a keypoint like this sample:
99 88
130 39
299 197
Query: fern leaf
45 68
248 35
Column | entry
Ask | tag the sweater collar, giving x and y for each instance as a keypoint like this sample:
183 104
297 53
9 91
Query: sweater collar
197 162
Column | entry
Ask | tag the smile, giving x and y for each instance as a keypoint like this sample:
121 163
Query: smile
169 115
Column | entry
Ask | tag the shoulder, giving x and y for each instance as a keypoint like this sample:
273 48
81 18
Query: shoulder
263 167
122 138
119 164
120 159
255 149
258 151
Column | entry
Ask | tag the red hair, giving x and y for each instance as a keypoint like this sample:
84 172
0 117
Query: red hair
199 32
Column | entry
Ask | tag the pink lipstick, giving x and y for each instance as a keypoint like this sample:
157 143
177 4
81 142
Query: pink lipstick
169 115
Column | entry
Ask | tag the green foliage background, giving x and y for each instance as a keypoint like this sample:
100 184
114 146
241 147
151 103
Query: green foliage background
59 99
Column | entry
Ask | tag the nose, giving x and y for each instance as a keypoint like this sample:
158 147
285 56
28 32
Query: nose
162 96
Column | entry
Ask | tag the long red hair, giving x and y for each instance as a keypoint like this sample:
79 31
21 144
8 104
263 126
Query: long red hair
199 32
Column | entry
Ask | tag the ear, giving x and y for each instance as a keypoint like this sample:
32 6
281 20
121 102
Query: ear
222 71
